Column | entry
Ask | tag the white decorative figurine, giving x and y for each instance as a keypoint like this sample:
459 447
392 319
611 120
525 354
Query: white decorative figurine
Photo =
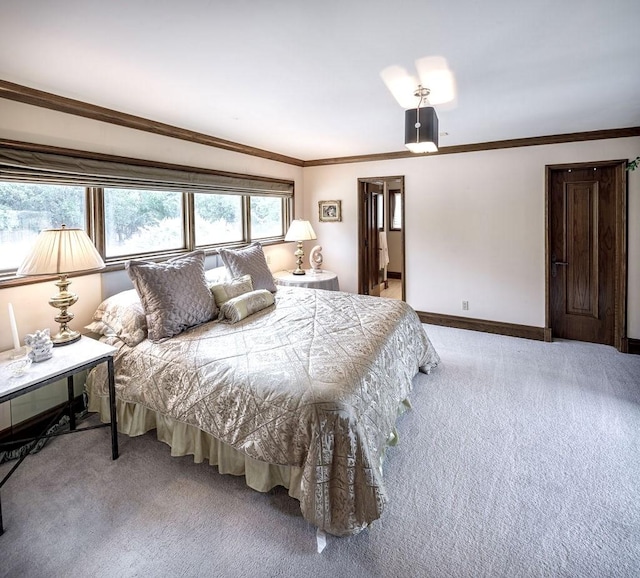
40 344
315 259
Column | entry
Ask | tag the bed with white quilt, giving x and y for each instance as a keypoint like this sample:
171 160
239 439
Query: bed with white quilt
285 386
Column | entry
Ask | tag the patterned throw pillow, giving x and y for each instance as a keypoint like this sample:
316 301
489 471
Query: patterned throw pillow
222 292
249 261
121 315
240 307
174 294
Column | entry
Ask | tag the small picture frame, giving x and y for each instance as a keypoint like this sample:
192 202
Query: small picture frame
330 210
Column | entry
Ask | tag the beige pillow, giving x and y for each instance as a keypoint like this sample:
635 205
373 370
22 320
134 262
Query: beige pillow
222 292
174 294
241 307
121 315
249 261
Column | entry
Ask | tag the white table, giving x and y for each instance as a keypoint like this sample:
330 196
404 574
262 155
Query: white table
67 360
325 280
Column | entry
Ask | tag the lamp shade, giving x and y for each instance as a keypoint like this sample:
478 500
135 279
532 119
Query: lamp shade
300 230
61 251
421 130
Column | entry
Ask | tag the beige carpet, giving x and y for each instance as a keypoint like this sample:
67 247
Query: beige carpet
519 459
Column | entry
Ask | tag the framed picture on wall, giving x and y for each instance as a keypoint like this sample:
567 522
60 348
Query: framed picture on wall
330 210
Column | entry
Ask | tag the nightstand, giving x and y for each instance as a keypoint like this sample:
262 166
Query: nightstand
66 362
324 280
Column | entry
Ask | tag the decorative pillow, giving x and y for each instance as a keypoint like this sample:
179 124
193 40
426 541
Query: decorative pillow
222 292
238 308
217 275
121 315
249 261
100 328
174 294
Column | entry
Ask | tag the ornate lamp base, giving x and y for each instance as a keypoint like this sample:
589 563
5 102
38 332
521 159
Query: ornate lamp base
299 254
65 336
63 300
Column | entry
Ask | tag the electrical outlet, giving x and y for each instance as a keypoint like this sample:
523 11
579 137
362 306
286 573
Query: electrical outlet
268 257
465 306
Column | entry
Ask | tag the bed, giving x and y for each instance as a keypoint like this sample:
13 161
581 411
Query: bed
302 392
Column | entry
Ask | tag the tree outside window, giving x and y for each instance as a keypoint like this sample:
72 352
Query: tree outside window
26 209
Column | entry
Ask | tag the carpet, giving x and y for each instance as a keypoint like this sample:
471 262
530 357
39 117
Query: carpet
518 459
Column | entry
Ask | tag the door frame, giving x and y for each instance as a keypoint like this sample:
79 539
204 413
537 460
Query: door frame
620 340
361 228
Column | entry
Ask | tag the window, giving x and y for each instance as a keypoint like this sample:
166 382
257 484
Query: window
395 210
26 209
142 222
218 219
132 207
266 217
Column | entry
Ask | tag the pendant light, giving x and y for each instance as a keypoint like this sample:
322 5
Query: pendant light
421 125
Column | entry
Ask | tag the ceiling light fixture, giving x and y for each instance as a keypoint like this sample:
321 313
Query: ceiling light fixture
436 85
421 125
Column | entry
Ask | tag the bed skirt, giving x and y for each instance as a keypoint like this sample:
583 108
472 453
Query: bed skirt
187 440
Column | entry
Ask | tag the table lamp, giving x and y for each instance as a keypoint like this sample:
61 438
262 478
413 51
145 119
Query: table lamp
299 231
60 252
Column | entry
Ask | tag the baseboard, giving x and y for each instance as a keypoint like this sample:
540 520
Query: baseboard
633 346
393 275
501 328
35 425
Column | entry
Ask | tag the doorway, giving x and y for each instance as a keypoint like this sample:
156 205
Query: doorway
381 237
586 273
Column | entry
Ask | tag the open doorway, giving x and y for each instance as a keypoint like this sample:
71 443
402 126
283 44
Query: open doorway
381 237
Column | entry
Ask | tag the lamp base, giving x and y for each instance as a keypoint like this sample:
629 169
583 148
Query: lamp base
63 300
65 336
299 255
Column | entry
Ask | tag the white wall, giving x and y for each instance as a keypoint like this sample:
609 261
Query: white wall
474 227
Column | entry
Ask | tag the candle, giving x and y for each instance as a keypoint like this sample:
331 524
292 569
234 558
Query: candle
14 328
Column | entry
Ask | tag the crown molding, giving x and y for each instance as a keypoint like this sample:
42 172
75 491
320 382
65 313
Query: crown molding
486 146
24 94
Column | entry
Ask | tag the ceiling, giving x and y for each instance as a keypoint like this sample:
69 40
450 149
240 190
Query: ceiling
302 78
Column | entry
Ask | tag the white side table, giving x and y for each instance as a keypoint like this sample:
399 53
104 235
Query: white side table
325 280
66 362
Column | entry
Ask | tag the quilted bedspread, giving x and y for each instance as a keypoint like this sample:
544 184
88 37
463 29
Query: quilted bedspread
314 381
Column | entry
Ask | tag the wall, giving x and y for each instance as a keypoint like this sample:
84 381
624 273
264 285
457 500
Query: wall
474 227
26 123
394 244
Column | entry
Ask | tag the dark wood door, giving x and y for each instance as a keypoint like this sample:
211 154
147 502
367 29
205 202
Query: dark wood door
371 196
582 252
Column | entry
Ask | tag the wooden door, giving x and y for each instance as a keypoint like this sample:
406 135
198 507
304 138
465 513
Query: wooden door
585 252
371 196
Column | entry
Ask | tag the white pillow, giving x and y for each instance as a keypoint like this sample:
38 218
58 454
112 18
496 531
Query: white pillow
217 275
